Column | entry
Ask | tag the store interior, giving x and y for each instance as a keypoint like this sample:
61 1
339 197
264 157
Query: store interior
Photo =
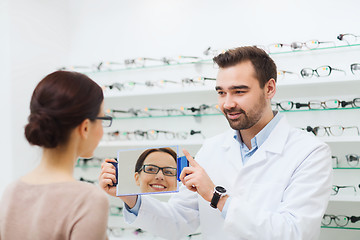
153 57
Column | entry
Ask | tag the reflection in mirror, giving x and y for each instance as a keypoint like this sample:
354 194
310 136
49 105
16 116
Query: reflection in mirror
147 170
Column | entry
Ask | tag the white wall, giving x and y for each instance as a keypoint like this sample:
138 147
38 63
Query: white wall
114 30
35 37
5 98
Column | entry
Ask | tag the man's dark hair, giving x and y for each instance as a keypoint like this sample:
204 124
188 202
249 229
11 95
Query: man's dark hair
264 66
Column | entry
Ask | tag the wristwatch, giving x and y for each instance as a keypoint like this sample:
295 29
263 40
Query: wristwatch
219 191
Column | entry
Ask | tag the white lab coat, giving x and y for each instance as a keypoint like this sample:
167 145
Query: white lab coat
281 193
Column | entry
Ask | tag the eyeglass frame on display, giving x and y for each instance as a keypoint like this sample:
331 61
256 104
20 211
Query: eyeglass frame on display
303 75
329 132
336 189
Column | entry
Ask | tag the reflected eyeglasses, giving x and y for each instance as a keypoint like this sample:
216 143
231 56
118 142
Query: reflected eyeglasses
153 169
322 71
106 120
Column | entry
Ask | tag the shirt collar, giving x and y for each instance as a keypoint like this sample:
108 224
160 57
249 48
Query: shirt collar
261 137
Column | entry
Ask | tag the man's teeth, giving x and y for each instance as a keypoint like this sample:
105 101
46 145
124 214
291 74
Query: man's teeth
157 186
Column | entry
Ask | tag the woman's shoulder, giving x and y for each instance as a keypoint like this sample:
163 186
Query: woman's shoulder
89 188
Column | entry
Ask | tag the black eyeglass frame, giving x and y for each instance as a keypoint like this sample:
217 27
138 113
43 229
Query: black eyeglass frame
106 118
158 169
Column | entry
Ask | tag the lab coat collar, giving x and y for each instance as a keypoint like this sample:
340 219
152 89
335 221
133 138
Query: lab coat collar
274 143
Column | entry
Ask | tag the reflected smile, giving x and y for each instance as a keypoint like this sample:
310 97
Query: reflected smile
158 187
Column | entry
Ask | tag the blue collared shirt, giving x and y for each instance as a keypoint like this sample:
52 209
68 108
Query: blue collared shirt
258 140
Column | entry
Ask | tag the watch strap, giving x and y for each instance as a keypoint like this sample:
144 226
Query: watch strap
215 199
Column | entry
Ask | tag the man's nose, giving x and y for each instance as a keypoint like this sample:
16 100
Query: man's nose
229 102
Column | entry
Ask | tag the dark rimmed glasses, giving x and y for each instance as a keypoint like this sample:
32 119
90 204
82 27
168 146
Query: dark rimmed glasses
283 105
322 71
153 169
340 220
106 121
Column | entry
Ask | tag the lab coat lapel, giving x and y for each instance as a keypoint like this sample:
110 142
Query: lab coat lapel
275 144
231 150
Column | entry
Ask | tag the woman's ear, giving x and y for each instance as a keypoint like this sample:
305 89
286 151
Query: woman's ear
137 180
84 128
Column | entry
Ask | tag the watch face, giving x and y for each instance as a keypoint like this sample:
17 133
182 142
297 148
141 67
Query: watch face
220 189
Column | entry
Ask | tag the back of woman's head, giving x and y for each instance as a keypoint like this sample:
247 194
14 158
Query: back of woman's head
60 102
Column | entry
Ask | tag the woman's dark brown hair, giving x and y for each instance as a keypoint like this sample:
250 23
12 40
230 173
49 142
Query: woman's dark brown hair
60 102
142 157
264 66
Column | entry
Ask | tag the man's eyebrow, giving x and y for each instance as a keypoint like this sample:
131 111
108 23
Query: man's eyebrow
233 87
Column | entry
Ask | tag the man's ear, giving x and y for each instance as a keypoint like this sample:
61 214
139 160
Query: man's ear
84 128
137 180
270 88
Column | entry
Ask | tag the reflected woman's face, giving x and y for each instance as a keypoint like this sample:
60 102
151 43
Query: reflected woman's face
157 182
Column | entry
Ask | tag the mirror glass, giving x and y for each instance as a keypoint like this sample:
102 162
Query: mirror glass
147 171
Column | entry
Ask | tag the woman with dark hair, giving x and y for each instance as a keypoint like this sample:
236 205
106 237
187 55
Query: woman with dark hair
156 170
66 120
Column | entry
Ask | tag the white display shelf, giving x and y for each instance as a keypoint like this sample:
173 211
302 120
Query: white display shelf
150 143
159 91
341 139
345 198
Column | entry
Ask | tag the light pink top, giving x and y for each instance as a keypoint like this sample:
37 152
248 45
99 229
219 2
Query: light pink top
56 211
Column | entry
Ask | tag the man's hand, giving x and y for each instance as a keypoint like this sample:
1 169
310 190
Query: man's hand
196 179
